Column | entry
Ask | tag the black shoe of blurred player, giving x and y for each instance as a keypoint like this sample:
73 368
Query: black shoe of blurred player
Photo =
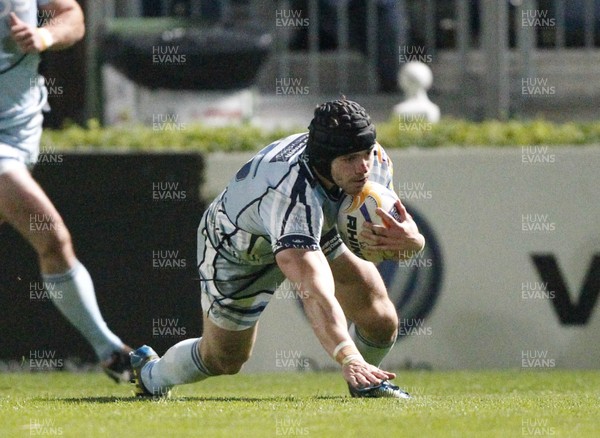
118 366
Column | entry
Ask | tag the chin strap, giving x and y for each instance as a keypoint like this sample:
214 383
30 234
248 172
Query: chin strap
335 193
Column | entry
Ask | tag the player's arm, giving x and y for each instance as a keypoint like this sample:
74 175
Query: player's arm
403 237
63 26
310 271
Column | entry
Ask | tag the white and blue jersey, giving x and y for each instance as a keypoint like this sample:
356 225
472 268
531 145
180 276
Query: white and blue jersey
22 90
274 202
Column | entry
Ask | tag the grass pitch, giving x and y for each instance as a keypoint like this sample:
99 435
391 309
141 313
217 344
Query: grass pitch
444 404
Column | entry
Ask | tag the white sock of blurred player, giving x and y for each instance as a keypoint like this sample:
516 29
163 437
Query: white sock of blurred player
371 352
76 299
180 364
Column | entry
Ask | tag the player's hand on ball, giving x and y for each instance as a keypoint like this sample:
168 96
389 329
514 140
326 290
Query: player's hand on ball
403 237
361 374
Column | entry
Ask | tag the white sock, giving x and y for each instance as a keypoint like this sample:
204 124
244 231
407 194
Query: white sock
74 295
371 352
180 364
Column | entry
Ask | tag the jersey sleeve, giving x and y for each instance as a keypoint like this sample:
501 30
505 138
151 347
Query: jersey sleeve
292 218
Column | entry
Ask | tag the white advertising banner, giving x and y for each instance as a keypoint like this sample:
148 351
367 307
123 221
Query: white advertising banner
511 273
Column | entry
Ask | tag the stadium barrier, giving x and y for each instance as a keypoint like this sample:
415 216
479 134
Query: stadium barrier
133 219
510 277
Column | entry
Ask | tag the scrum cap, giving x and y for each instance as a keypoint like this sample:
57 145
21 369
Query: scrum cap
338 128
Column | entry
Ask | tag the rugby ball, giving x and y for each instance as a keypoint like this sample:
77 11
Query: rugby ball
356 210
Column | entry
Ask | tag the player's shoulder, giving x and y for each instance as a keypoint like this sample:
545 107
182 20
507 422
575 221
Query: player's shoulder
285 149
273 164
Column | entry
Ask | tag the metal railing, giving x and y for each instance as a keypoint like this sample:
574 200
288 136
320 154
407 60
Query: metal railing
342 54
489 26
506 34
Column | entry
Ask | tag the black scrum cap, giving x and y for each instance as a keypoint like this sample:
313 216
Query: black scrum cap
338 128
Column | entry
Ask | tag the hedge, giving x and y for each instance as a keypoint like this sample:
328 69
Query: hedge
391 134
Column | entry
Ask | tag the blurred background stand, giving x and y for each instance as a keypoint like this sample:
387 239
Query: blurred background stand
193 65
480 53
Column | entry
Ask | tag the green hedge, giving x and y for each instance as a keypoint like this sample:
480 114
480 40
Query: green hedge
138 137
391 134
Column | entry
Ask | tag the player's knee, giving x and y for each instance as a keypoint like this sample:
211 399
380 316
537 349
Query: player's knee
382 325
389 323
231 368
228 364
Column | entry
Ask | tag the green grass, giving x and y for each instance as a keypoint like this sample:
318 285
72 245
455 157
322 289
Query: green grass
444 404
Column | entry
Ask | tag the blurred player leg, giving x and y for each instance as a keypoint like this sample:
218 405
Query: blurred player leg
25 206
362 294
